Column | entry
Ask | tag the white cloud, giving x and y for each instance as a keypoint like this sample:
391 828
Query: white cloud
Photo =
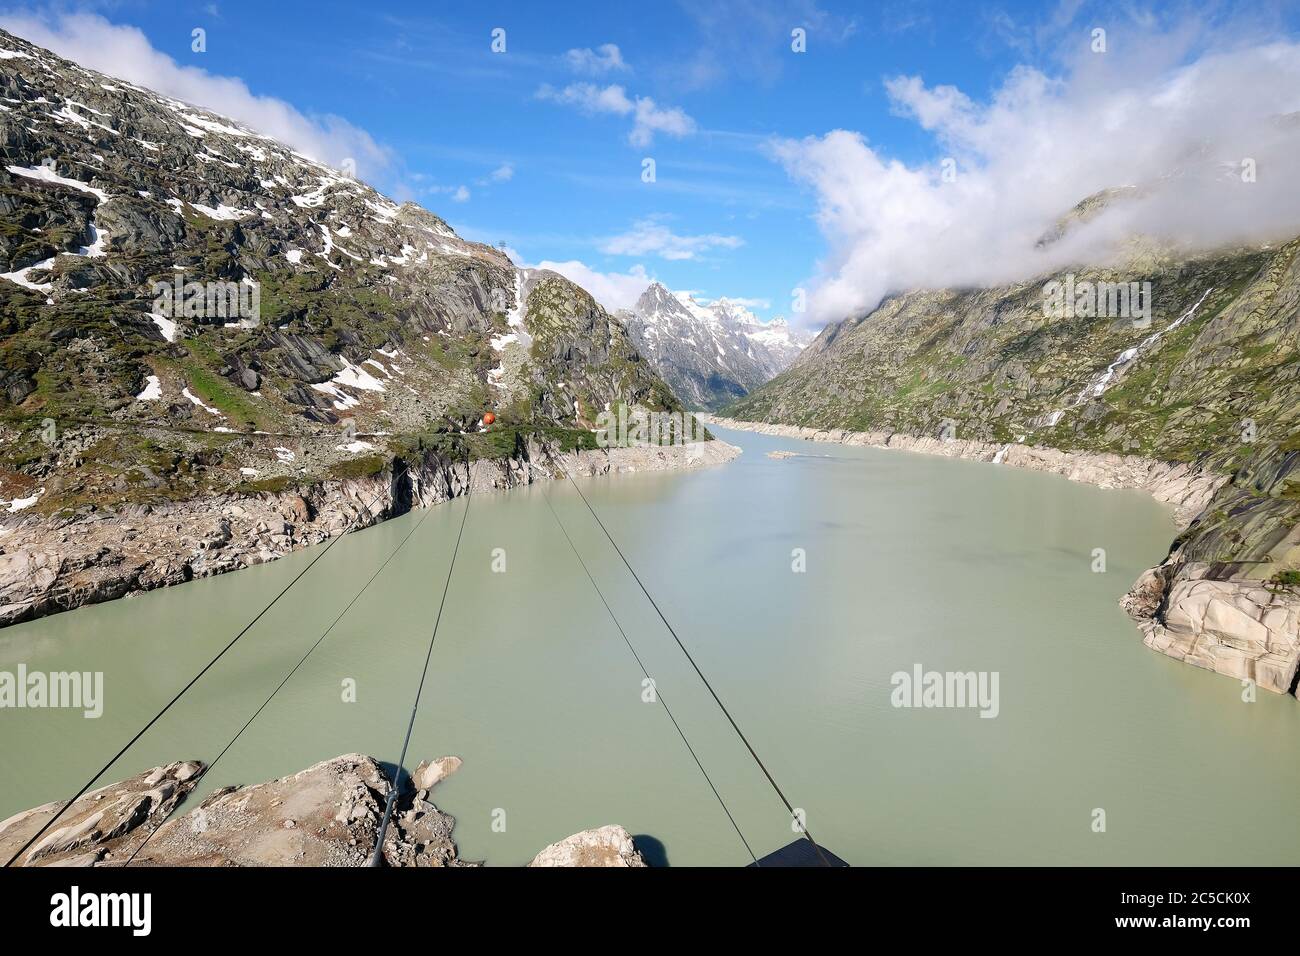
502 174
649 237
620 290
605 58
613 290
651 119
125 52
648 117
422 184
1177 128
589 97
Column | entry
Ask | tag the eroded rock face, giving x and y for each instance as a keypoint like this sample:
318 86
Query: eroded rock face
604 846
326 815
104 826
1237 628
430 773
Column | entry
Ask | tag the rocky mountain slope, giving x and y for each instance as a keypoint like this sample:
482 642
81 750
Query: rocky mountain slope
369 311
192 311
709 354
1213 382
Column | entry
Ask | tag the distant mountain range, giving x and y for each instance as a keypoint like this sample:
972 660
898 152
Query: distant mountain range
709 354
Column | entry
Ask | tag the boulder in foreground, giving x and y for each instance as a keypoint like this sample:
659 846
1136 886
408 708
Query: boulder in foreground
604 846
103 826
326 815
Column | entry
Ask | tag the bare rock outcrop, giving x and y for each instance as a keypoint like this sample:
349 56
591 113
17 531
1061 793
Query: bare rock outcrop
102 827
603 846
430 773
1238 628
326 815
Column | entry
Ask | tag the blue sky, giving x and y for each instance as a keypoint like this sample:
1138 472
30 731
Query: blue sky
531 146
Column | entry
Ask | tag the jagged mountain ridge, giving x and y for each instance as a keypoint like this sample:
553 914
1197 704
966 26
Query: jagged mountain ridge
374 318
709 354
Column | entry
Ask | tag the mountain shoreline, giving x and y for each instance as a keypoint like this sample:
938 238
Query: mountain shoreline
219 351
1232 625
195 312
51 564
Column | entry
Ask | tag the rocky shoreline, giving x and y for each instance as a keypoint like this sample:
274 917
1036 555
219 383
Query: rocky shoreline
1181 486
1189 610
57 564
326 815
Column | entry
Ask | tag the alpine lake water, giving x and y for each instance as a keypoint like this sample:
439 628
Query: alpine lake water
908 561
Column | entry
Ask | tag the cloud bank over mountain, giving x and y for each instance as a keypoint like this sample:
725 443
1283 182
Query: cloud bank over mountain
613 290
1209 141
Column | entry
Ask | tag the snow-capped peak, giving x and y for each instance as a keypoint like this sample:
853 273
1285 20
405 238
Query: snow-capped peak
709 350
